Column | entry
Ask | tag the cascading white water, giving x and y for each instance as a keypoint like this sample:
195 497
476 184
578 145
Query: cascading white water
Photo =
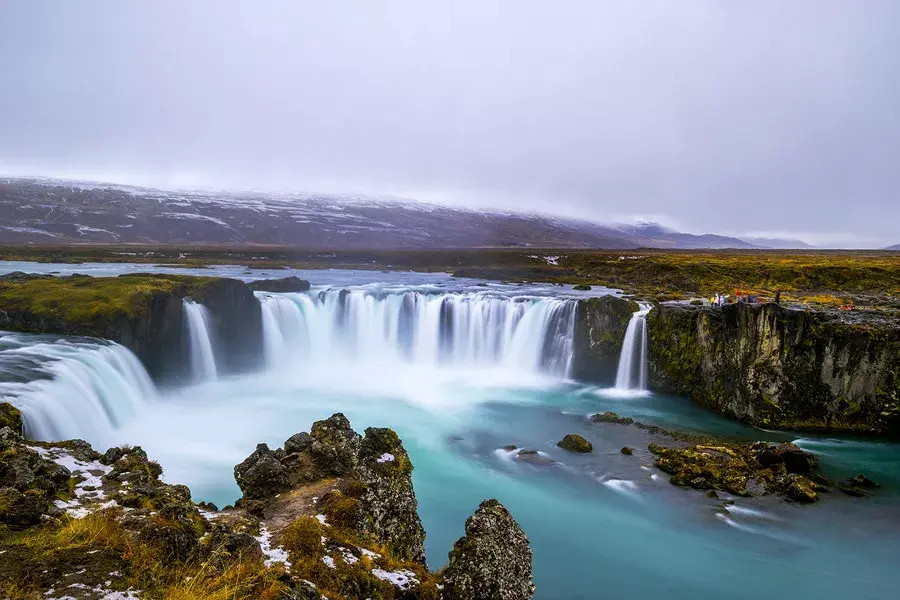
203 358
83 389
465 329
632 372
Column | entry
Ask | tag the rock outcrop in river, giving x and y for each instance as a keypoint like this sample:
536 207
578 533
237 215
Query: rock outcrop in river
600 325
331 515
778 367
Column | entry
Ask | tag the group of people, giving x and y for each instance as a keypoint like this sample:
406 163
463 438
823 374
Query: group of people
723 299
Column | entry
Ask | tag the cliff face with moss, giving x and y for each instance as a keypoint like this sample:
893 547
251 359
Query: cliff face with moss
142 312
600 325
778 367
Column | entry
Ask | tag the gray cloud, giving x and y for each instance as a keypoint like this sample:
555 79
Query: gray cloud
716 116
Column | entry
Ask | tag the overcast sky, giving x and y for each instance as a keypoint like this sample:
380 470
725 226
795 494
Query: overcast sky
728 116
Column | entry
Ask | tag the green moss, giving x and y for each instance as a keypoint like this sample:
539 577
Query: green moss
82 299
303 539
342 510
11 417
575 443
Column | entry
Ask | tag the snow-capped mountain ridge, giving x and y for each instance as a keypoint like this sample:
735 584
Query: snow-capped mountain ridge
41 210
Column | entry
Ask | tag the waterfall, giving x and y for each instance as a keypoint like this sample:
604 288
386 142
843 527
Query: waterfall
632 373
72 389
203 359
463 329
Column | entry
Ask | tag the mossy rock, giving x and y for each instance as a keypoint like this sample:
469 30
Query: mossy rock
627 451
11 417
582 287
575 443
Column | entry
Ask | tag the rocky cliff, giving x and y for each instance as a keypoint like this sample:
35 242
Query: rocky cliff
778 367
331 515
142 312
600 325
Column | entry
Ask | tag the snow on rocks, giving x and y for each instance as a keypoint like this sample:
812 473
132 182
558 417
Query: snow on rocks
386 457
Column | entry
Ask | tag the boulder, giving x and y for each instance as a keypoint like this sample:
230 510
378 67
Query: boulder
492 561
19 510
575 443
607 417
799 488
582 287
533 457
794 458
10 417
627 451
283 285
862 481
261 475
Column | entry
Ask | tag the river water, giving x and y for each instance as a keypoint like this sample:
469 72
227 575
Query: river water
460 370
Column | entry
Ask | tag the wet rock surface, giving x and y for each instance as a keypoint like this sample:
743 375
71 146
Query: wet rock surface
575 443
738 468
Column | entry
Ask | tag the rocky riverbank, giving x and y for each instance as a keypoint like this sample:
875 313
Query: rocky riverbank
738 468
330 515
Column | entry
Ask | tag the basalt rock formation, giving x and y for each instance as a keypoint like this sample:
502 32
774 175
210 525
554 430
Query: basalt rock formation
600 325
285 284
337 521
779 367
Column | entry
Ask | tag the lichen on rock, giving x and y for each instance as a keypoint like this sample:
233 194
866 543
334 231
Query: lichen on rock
575 443
492 561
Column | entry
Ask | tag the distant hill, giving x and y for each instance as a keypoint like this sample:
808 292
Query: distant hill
778 243
894 247
36 210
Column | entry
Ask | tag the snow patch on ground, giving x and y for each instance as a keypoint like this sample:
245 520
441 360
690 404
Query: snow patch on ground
550 260
386 457
402 579
274 554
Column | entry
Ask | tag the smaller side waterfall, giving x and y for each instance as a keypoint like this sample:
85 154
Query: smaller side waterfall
632 373
203 359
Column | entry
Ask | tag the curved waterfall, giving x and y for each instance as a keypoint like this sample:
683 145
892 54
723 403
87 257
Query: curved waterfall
632 373
76 389
464 328
203 358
